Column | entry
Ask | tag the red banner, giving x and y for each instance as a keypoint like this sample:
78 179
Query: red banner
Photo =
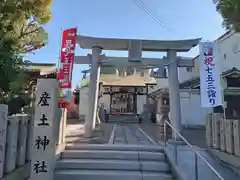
69 39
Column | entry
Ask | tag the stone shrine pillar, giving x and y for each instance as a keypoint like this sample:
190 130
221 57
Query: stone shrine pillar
93 91
43 145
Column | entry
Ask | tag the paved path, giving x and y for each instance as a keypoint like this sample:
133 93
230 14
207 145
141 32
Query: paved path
129 134
124 133
75 133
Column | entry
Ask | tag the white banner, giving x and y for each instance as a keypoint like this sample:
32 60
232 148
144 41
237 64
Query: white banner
210 84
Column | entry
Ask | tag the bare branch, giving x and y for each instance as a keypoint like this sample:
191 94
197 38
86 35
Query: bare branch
24 31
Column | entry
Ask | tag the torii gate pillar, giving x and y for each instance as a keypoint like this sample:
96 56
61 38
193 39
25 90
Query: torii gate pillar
175 108
93 91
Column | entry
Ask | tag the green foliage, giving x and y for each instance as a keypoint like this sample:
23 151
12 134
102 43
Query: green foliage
22 20
85 82
21 31
12 84
230 11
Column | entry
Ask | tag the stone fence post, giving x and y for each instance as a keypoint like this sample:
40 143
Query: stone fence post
12 138
3 134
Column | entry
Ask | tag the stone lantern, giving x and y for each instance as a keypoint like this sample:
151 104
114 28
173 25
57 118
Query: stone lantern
163 109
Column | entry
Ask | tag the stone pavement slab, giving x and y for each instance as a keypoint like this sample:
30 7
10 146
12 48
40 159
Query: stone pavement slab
75 133
129 134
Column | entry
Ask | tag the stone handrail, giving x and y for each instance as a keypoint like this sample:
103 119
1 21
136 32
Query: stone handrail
178 136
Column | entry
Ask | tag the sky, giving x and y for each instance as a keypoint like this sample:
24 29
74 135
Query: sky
124 19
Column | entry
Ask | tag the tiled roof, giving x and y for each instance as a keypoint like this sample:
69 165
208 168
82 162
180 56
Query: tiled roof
44 68
113 80
196 81
189 83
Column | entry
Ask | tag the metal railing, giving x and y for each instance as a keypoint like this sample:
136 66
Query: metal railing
111 139
196 154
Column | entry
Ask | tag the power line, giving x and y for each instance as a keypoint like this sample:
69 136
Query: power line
140 4
154 16
157 16
153 13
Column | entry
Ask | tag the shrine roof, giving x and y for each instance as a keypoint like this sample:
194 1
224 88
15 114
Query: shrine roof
42 68
114 80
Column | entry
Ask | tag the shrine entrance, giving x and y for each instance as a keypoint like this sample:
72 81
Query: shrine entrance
124 101
125 95
135 48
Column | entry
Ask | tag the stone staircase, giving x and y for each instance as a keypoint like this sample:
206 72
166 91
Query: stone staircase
113 162
129 118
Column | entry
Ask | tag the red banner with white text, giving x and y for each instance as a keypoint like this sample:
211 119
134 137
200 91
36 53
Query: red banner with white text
69 39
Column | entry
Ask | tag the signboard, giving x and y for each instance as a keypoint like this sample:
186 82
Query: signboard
85 72
43 147
159 73
210 85
69 38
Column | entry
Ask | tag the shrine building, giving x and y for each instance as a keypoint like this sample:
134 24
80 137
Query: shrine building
121 91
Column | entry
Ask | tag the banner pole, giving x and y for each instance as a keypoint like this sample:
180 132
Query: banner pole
60 50
69 92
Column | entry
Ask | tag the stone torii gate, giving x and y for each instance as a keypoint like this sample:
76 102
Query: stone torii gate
135 48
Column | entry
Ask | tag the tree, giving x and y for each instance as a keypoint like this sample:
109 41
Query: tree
230 11
22 20
21 31
12 83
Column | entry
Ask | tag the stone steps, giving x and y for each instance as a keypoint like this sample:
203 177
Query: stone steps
113 162
113 154
110 175
119 147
